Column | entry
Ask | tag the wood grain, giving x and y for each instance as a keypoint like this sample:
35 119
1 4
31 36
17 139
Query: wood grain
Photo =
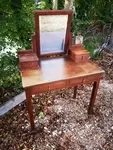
58 69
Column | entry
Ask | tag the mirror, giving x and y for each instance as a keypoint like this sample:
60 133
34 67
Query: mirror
52 33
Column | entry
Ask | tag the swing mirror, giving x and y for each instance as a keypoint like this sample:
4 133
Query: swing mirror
52 28
52 33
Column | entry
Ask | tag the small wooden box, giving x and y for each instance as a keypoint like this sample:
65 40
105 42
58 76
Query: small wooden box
79 55
28 61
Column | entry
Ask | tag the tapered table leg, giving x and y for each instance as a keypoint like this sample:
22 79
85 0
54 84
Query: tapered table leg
30 108
75 92
93 96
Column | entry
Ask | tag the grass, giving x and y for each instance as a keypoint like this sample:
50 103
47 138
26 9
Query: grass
92 44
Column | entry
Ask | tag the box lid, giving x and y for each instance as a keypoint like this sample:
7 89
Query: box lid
28 58
80 52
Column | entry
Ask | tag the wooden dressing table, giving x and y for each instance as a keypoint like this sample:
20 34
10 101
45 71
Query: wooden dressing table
46 68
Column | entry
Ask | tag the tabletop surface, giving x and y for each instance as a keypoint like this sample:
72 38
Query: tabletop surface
57 69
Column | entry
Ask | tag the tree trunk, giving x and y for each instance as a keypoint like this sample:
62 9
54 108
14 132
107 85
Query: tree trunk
107 43
68 4
109 46
55 4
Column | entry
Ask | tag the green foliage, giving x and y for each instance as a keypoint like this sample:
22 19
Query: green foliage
95 10
9 73
44 4
103 11
89 14
60 4
91 44
16 29
10 80
16 23
79 26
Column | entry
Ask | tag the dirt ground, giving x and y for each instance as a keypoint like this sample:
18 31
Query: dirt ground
62 122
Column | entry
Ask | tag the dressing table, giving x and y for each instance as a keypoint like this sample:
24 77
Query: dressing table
53 62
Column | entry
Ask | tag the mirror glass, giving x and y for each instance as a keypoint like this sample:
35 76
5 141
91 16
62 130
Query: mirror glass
52 33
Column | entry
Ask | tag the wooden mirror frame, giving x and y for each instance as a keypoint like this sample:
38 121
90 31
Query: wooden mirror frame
37 29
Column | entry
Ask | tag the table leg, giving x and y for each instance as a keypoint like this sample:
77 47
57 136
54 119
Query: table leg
93 96
30 108
75 91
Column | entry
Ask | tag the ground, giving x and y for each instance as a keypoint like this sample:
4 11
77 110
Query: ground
64 125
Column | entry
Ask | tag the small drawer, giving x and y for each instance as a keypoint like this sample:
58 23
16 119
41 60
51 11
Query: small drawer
90 79
79 55
78 58
76 81
58 85
85 57
81 58
29 65
39 89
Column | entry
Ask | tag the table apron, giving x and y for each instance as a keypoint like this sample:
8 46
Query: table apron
63 84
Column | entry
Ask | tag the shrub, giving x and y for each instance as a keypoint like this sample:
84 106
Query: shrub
10 81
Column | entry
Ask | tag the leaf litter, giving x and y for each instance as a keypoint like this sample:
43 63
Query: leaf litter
62 122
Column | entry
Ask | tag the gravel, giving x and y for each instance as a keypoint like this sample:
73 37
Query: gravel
67 126
62 123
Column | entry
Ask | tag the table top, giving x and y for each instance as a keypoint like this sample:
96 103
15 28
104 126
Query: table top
57 69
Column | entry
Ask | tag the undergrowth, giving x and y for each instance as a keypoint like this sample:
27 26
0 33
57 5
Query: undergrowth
10 80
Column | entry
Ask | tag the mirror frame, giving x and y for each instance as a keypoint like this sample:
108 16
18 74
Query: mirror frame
37 29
